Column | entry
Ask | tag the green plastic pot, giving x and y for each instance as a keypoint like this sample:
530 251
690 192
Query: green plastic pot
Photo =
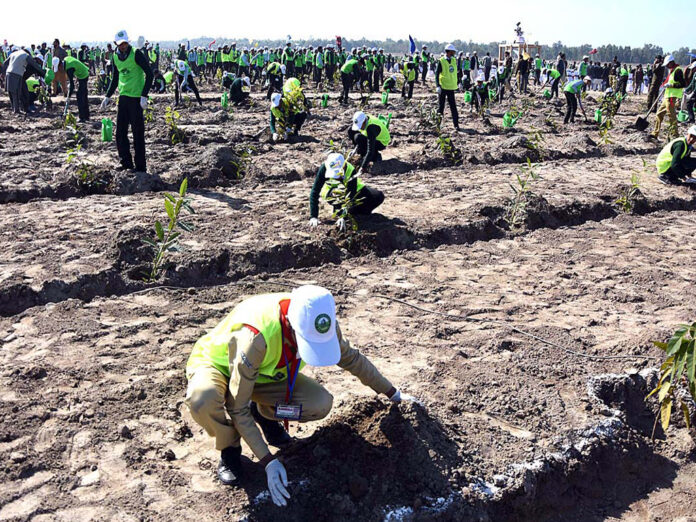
107 129
223 100
467 97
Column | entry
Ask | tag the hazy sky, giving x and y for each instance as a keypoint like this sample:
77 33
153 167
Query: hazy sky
595 22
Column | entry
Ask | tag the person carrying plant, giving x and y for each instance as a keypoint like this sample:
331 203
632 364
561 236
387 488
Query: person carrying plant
446 82
674 92
133 77
573 94
183 78
674 162
247 371
285 115
370 135
332 173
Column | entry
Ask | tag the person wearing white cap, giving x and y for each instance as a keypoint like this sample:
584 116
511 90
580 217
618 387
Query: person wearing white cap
183 78
674 163
446 82
239 90
674 92
133 77
256 353
370 135
337 171
285 117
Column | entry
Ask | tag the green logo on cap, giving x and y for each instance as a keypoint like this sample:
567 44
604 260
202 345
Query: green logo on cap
322 323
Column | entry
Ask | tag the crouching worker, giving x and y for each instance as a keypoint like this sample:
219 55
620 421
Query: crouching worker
247 371
183 79
370 136
389 85
239 90
285 117
674 162
337 171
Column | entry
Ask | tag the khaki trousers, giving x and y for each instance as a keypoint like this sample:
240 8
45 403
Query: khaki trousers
62 78
208 398
667 109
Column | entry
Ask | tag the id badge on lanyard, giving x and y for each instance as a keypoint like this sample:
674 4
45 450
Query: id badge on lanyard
285 410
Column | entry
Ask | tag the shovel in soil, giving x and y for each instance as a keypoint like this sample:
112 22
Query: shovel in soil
642 121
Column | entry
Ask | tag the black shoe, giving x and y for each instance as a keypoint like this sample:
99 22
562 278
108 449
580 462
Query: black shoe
230 466
273 431
665 180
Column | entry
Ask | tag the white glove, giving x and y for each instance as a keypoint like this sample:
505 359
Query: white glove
143 102
275 136
439 90
105 102
313 222
402 397
341 224
277 482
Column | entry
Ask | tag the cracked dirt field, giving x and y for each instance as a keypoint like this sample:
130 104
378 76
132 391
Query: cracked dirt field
508 427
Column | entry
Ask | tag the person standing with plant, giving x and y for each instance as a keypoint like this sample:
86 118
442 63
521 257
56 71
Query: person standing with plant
133 77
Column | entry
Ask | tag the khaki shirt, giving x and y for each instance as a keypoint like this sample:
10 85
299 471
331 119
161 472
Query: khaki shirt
246 353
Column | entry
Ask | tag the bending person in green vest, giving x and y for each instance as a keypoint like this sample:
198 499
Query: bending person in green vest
674 162
370 135
133 77
285 117
446 81
573 92
336 171
183 79
247 370
75 68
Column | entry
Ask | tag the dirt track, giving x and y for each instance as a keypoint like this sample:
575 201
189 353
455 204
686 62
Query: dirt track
91 389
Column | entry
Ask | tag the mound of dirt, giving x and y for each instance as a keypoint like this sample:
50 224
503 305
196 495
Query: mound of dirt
370 452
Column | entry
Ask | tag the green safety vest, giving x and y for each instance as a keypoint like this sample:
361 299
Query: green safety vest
623 72
131 77
261 312
448 75
209 57
538 63
467 65
200 58
664 158
673 92
583 69
575 87
349 66
409 74
273 68
32 84
168 77
383 137
331 184
81 70
553 73
153 56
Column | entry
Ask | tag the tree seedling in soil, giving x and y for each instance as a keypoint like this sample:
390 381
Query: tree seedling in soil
171 118
341 200
448 149
609 107
84 173
677 376
626 201
517 205
536 142
241 165
149 113
166 240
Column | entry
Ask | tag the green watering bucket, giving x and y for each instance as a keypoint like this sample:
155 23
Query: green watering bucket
598 115
385 119
467 97
107 129
223 100
508 120
547 94
325 100
682 116
492 94
385 98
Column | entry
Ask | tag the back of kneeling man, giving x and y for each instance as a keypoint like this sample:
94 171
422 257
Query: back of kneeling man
247 371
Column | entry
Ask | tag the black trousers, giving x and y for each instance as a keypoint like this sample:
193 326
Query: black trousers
571 107
82 100
296 121
424 71
449 96
690 100
130 113
554 87
347 81
178 80
371 199
275 84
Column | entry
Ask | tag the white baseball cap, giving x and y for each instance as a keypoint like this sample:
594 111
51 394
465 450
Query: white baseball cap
587 79
55 62
275 99
692 130
312 315
450 47
334 165
282 68
247 81
668 58
359 119
121 36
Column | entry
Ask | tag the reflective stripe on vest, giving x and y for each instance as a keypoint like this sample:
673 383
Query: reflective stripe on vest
664 158
261 312
131 77
330 184
383 137
448 75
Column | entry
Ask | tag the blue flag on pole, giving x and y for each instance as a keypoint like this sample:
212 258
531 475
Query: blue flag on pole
413 44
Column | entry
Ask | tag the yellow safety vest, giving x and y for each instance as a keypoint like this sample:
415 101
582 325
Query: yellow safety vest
673 92
383 137
448 76
664 158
